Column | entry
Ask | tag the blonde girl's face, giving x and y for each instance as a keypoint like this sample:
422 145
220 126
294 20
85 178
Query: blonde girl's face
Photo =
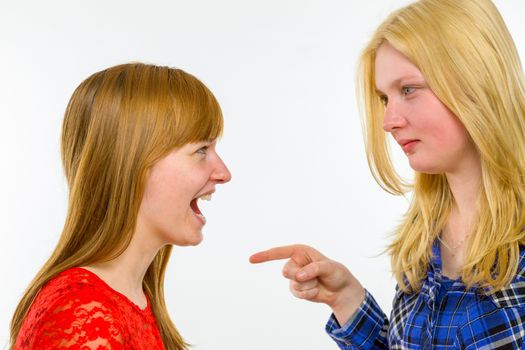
169 209
431 136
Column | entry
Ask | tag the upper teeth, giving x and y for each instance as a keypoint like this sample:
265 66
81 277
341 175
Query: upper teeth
206 197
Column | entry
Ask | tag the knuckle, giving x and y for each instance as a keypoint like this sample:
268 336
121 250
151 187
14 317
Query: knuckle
285 272
308 294
295 286
303 294
296 293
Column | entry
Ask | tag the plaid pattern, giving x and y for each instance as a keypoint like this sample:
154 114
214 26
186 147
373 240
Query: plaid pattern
443 315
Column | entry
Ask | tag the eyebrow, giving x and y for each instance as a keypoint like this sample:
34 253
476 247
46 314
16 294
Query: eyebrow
397 81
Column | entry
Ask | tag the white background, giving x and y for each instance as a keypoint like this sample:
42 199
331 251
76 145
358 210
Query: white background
283 72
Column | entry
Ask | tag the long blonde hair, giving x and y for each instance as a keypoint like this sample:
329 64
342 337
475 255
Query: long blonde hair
118 123
467 56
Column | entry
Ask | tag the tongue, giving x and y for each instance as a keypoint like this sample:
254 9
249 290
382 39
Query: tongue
195 207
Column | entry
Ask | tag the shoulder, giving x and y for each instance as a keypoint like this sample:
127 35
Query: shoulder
514 294
73 309
73 289
497 319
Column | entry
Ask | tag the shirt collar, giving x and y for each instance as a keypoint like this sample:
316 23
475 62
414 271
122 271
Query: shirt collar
430 286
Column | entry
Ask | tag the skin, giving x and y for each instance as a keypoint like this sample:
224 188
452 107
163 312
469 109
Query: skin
165 215
435 142
413 112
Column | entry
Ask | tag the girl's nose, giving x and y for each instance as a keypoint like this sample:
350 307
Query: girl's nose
393 118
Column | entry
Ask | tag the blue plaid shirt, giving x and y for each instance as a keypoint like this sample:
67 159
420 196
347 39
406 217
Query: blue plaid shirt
443 315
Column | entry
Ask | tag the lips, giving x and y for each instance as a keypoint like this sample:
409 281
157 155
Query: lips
408 144
195 207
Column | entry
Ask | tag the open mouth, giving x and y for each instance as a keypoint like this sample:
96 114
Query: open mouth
195 207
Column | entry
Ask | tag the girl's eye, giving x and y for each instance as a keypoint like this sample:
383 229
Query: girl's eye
202 150
407 90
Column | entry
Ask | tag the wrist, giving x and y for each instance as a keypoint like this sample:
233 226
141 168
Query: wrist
347 303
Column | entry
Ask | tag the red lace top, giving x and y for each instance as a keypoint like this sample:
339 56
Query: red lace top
77 310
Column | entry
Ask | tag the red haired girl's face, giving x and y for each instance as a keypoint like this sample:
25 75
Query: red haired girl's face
169 211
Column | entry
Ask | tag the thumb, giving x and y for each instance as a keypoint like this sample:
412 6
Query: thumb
316 269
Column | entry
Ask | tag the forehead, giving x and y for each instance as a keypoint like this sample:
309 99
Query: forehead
392 68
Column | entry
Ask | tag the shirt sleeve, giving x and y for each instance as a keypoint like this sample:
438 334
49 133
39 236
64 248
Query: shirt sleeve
366 329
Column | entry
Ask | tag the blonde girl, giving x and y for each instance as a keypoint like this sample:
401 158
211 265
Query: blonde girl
444 79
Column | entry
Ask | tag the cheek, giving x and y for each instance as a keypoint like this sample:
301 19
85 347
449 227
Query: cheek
443 126
450 133
162 195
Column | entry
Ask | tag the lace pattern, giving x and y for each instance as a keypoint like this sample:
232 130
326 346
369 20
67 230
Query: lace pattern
76 310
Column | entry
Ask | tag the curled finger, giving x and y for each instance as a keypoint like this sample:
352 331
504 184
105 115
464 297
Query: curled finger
309 294
290 269
303 286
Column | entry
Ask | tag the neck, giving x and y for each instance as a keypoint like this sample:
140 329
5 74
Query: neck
125 273
464 184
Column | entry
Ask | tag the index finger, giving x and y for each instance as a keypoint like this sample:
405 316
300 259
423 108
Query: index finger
302 254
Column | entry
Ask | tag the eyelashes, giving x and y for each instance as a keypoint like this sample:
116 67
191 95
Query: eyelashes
405 91
203 150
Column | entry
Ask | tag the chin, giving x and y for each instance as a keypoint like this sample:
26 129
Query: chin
423 168
189 240
195 242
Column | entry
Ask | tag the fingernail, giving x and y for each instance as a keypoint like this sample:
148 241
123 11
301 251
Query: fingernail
301 274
